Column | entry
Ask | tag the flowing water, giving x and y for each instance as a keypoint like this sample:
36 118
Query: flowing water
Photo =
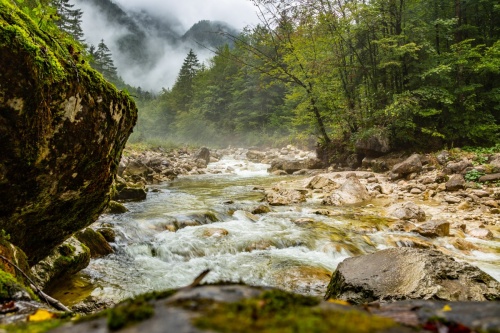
292 247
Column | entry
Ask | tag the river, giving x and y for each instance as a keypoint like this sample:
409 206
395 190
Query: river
291 248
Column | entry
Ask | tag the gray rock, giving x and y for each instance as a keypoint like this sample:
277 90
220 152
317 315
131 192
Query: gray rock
457 167
407 211
443 157
407 273
255 155
410 165
373 146
203 154
351 192
455 183
131 194
319 182
490 178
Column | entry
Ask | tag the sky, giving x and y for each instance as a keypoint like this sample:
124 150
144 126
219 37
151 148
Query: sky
237 13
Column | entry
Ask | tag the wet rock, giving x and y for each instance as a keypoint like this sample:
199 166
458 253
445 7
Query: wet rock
13 284
68 258
283 196
351 192
320 182
109 234
63 130
214 232
482 233
261 209
137 193
256 156
203 154
455 183
406 273
407 211
411 165
292 165
434 229
463 245
97 244
115 207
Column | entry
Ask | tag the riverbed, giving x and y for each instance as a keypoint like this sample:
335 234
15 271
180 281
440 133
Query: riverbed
204 222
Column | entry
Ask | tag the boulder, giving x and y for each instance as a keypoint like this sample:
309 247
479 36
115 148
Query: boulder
261 209
283 196
407 211
62 129
13 284
408 273
203 154
373 146
480 233
97 244
490 178
434 229
457 167
292 165
256 156
68 258
320 182
455 183
137 193
116 208
443 157
351 192
137 168
411 165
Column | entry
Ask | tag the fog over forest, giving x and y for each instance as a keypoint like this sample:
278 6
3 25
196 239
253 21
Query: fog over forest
160 27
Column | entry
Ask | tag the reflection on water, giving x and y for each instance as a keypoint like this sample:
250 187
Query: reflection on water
292 248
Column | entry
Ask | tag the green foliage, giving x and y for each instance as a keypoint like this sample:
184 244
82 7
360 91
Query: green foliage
473 175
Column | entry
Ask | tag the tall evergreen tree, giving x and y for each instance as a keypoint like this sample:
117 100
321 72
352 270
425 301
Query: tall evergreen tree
70 19
103 61
183 88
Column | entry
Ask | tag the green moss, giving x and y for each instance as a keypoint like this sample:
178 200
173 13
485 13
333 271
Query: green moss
134 310
32 327
278 311
8 286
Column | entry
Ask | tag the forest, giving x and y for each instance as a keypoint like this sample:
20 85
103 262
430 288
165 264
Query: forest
420 74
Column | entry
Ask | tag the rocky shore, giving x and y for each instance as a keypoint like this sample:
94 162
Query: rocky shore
431 196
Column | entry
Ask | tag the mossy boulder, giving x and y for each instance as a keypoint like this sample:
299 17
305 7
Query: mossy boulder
68 258
62 129
95 241
13 284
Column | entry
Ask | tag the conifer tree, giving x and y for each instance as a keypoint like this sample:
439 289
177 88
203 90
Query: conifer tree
183 88
103 61
70 19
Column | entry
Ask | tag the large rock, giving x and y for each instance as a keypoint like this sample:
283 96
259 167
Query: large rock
457 167
293 165
62 130
283 196
373 146
406 211
95 241
455 183
203 154
410 165
351 192
407 273
490 178
68 258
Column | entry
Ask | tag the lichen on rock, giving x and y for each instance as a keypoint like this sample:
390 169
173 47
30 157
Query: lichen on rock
62 128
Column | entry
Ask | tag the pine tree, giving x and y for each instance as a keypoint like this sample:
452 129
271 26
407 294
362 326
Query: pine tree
70 19
103 62
183 88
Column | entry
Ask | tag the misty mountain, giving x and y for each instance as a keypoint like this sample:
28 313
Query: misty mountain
148 50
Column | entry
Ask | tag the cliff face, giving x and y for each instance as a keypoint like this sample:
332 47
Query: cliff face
62 131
